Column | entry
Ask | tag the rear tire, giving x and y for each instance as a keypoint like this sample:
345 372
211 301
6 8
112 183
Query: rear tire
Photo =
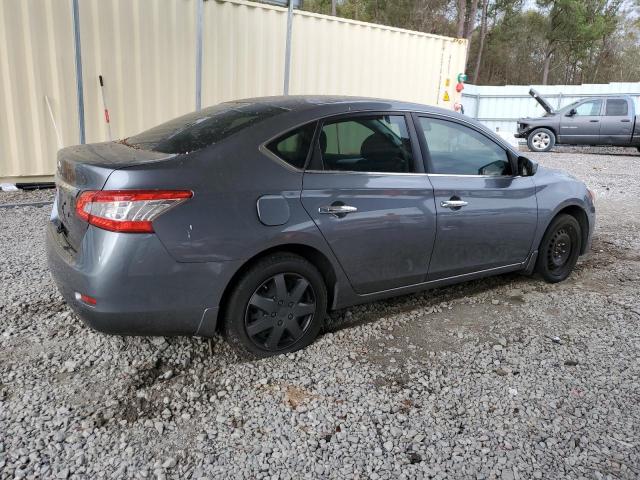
559 249
278 306
541 140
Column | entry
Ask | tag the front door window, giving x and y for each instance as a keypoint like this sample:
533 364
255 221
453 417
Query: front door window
458 150
589 109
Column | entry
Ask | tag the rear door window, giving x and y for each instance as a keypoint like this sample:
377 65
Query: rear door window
198 130
293 147
617 107
376 143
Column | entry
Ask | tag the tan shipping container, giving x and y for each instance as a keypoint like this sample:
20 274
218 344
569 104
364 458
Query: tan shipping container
145 51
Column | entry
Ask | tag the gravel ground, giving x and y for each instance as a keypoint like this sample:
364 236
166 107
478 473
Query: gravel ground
29 197
506 377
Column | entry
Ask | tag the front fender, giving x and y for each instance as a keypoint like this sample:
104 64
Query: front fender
527 125
556 192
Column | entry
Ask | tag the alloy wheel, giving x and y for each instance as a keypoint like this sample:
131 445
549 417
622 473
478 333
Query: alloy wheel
541 140
280 311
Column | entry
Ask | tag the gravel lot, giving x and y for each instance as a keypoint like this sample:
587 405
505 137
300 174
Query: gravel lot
506 378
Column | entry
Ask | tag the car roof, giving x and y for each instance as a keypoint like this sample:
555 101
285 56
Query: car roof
605 97
333 103
307 108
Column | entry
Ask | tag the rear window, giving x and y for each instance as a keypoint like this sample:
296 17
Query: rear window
293 147
203 128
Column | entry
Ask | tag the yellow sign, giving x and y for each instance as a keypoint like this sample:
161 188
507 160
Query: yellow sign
446 96
447 82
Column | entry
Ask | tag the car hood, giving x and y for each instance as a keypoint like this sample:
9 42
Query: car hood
542 118
554 172
547 107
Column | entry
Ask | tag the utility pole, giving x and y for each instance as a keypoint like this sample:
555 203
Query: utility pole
287 48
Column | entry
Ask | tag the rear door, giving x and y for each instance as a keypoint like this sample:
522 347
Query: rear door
617 124
583 128
367 192
486 215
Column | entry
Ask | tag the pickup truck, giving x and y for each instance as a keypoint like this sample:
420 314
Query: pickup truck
606 120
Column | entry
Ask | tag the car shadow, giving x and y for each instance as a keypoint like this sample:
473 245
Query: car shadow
372 312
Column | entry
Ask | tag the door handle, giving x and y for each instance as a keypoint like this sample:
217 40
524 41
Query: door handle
626 120
453 204
337 210
594 121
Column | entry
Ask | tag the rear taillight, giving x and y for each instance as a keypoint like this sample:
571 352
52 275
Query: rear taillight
131 211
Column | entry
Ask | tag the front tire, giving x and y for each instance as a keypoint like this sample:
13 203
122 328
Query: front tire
559 249
278 306
541 140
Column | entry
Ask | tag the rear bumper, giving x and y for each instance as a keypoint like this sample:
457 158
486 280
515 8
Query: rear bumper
139 288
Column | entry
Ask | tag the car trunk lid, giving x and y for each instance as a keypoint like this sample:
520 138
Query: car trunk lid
547 107
87 167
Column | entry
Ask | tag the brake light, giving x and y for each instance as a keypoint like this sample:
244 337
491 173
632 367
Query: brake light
131 211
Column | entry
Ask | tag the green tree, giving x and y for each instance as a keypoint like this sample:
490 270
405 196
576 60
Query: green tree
558 41
573 27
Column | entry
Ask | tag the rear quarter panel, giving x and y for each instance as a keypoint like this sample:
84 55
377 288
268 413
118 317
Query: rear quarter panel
221 222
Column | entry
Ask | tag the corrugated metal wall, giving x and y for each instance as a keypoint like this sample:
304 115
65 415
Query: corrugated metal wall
338 56
243 51
36 60
499 107
146 53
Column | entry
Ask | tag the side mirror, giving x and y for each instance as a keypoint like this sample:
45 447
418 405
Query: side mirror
526 167
571 112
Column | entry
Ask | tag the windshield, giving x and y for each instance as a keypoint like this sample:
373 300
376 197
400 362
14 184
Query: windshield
203 128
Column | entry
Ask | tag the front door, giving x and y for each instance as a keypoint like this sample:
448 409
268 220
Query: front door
486 215
371 200
583 127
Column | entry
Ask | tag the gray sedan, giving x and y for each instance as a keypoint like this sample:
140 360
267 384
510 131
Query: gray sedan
254 217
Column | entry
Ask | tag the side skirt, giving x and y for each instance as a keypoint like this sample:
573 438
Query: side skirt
526 266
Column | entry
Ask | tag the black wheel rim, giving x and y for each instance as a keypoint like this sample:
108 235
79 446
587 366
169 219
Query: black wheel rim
280 311
559 250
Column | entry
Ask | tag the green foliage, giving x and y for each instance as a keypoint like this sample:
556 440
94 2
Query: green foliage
577 41
575 25
514 50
